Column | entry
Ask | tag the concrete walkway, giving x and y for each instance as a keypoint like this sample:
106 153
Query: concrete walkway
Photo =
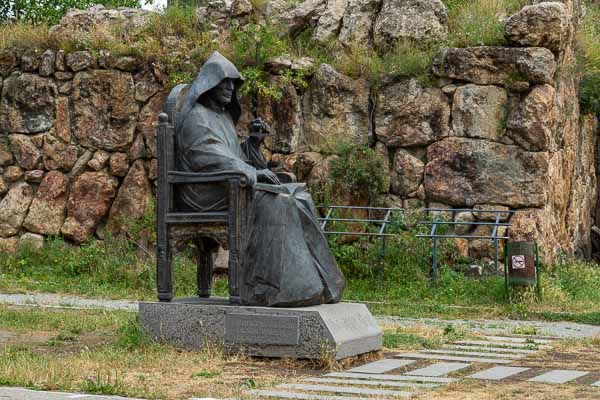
555 329
14 393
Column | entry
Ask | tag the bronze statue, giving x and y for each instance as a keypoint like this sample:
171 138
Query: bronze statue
287 261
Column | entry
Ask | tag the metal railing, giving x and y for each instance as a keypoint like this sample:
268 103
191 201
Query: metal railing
391 216
435 235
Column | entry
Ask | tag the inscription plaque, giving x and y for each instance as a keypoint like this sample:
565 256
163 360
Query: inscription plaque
262 329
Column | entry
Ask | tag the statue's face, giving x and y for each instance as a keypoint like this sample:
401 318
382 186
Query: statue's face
223 92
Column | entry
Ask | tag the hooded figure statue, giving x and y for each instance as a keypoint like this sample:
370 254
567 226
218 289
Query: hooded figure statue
287 262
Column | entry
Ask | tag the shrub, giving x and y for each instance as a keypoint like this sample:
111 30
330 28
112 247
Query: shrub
251 47
479 22
589 60
358 170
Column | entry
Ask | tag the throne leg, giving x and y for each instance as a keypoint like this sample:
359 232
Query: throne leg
206 263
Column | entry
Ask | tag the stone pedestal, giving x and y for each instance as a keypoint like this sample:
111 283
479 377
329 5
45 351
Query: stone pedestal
329 330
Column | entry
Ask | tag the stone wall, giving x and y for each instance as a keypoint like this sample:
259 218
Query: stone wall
500 129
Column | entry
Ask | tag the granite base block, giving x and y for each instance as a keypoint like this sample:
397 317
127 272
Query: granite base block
329 330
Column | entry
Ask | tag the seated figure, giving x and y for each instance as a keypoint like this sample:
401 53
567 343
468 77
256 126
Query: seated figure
287 261
258 130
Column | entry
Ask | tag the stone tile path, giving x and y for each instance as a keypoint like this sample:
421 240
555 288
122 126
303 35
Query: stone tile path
491 349
438 369
559 376
12 393
390 377
381 366
344 389
497 373
454 358
364 382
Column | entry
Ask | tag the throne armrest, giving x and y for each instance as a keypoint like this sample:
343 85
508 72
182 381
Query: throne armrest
178 177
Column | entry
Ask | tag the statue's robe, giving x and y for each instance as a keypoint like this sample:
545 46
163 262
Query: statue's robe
287 261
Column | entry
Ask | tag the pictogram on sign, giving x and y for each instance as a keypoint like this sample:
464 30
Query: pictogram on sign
518 262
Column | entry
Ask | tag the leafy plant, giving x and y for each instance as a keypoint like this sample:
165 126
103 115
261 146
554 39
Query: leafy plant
359 170
103 383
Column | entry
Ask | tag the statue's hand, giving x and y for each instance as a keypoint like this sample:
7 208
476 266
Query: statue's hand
267 176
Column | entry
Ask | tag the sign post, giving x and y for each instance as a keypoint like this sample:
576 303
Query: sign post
521 266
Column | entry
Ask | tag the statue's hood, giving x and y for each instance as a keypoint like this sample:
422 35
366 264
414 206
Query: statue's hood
214 70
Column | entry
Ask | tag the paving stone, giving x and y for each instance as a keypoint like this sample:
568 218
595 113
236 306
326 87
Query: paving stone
423 356
503 350
497 373
439 369
303 396
345 389
529 346
558 376
473 353
517 339
389 377
381 366
364 382
16 393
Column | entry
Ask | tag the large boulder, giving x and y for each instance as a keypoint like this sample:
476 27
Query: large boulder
545 24
533 123
133 199
27 154
104 109
148 121
335 109
330 20
408 173
62 126
89 201
8 61
80 60
284 117
479 111
48 208
58 155
100 19
410 114
496 65
465 172
28 104
13 208
410 19
6 157
297 18
357 25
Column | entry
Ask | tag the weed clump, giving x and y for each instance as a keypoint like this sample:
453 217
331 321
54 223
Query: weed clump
589 60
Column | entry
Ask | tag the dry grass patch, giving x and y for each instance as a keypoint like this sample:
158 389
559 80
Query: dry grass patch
110 355
478 390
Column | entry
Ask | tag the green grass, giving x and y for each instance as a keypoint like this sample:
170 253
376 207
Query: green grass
399 284
392 340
